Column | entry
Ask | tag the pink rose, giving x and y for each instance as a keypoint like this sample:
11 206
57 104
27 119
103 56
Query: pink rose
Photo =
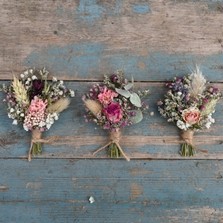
113 112
191 115
107 96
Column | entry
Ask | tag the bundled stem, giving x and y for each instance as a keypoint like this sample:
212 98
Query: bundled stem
35 146
36 143
187 148
114 146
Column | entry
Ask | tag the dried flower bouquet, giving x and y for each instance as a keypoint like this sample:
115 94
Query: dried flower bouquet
190 104
36 103
114 105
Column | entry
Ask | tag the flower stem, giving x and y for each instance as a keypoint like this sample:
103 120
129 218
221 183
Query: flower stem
37 148
187 150
114 151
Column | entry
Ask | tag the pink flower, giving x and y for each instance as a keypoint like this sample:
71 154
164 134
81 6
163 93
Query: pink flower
36 116
107 96
191 115
37 105
113 112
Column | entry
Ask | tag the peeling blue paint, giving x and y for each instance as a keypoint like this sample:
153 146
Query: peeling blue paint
89 10
73 60
118 7
87 60
141 8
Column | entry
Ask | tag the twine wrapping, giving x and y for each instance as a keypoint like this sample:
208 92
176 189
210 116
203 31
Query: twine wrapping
115 137
188 137
36 138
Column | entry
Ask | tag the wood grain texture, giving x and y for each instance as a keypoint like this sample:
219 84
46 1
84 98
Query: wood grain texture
149 191
152 40
79 41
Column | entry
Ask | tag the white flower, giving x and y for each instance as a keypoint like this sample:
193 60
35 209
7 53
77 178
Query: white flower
208 125
56 116
42 124
22 114
182 125
48 126
210 119
60 92
34 77
151 113
12 110
22 75
9 115
25 127
179 93
61 82
54 79
27 82
72 94
31 71
26 72
15 122
29 79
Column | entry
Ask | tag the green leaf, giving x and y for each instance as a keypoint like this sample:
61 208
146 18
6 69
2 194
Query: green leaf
135 100
137 118
122 92
128 86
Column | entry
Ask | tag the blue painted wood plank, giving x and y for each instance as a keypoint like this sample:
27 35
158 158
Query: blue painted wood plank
150 40
149 191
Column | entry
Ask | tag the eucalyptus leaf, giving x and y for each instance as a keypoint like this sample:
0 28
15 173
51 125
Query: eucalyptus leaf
128 86
135 100
138 117
122 92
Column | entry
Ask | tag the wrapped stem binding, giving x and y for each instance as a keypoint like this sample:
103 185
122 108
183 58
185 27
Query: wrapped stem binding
114 105
187 148
114 146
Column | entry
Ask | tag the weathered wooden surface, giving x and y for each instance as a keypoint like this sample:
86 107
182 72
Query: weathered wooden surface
152 40
139 191
79 41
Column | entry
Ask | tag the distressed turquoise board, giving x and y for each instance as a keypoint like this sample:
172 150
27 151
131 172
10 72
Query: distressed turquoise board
158 191
158 66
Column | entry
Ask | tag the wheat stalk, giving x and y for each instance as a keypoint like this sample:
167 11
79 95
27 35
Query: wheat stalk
94 106
20 92
59 106
198 82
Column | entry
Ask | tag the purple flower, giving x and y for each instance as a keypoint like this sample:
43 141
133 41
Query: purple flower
114 78
113 112
37 88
